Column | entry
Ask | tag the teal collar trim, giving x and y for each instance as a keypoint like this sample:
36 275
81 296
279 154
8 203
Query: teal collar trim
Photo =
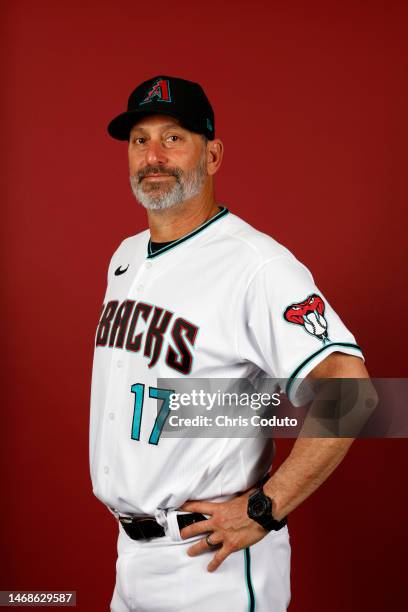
224 211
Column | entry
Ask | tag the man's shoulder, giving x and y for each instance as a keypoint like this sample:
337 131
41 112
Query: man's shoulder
133 242
252 243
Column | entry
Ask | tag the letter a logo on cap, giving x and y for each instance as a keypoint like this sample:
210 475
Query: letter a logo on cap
160 92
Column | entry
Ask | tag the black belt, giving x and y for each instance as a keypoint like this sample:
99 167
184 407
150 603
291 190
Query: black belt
145 528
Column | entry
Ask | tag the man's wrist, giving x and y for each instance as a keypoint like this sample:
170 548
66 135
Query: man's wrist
278 510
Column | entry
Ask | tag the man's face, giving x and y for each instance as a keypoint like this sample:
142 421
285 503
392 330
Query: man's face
167 163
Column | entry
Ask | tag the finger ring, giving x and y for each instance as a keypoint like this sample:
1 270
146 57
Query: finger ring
210 544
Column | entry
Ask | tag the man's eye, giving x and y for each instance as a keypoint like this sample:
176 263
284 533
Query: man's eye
138 140
174 138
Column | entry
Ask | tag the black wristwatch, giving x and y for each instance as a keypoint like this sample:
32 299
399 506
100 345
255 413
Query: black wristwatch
260 510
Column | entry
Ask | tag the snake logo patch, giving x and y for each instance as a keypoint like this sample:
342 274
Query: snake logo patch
309 314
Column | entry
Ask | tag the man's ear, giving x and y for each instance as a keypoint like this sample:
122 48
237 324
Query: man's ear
215 152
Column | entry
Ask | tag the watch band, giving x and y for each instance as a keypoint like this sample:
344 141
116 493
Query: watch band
272 524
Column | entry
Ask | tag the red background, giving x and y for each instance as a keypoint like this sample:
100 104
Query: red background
310 101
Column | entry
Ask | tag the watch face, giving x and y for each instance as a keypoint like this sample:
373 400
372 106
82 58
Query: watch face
259 506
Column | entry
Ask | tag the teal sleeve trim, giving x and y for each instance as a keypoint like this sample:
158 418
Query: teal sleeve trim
248 579
296 372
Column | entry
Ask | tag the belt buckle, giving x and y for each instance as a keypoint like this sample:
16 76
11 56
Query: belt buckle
125 519
135 527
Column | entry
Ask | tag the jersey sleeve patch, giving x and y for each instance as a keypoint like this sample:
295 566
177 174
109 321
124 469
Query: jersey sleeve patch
309 314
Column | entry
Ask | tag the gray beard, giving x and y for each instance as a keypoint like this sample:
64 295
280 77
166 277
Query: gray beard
160 196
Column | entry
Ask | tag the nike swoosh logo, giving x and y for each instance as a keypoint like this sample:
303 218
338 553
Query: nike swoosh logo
118 271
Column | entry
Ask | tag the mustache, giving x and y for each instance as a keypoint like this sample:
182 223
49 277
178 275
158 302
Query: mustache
150 170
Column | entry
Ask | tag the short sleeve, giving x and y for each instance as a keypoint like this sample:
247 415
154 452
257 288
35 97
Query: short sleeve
288 325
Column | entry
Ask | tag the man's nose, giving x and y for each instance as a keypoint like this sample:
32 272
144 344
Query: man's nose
155 153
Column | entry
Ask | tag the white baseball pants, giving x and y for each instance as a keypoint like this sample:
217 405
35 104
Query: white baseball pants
157 575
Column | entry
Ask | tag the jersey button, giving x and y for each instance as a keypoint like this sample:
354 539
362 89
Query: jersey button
119 363
139 287
148 264
106 469
111 416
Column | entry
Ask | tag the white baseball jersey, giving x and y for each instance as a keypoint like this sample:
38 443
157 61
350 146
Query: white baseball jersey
225 301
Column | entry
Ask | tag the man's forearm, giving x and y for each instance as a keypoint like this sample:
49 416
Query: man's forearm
311 461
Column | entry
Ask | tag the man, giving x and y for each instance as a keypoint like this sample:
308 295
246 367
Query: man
201 294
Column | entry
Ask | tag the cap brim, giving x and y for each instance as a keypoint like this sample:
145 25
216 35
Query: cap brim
121 125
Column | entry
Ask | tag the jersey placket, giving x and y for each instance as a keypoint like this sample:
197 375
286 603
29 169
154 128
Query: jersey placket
118 377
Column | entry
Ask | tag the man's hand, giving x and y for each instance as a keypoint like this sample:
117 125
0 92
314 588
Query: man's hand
229 526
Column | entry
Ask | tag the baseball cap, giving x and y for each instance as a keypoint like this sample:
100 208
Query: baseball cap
173 96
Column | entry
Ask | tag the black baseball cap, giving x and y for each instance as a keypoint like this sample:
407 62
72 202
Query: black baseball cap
179 98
